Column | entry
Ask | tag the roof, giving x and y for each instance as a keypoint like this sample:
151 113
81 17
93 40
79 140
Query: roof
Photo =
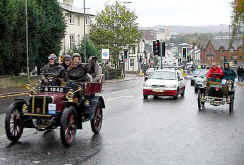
72 9
218 43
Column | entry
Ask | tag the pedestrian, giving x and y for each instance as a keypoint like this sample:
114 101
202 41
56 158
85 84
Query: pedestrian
239 73
242 73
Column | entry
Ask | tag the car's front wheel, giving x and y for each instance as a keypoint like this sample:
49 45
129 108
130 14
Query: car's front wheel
176 96
68 126
14 125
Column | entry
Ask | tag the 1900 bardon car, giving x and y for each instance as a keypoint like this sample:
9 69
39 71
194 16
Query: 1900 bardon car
50 107
216 93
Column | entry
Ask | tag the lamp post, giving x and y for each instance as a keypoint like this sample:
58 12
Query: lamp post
26 31
126 2
84 5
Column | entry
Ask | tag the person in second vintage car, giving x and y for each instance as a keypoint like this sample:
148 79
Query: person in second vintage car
229 74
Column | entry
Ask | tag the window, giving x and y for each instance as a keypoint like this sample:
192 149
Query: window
86 19
133 50
78 38
131 62
71 18
78 17
72 41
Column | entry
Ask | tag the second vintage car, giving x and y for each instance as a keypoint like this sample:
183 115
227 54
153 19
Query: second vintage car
164 82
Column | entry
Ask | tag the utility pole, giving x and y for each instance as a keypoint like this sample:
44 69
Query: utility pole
84 1
161 54
26 31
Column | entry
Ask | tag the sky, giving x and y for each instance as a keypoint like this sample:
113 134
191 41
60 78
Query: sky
171 12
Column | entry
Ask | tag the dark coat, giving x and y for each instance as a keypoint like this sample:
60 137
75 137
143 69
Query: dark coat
77 73
229 74
54 69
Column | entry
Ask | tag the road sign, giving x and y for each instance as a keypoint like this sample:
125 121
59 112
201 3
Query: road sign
105 54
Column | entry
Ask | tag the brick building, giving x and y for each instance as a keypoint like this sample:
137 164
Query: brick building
219 50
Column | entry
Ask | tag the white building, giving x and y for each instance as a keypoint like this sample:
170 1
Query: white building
135 57
74 32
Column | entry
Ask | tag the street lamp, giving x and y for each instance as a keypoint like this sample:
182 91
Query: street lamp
84 7
126 2
26 31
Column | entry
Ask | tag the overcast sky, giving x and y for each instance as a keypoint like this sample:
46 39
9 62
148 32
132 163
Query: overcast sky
171 12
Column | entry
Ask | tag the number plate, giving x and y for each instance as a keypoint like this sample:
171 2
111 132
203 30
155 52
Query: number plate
53 89
52 109
158 90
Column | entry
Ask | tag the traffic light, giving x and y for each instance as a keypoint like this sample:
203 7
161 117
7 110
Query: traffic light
156 48
125 54
184 52
163 49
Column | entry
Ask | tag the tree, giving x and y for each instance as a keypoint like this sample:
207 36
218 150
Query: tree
45 31
90 49
51 30
115 28
237 21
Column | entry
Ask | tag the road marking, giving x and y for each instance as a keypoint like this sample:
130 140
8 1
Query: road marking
36 162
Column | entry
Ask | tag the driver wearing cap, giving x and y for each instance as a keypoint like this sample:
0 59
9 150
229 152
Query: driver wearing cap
52 68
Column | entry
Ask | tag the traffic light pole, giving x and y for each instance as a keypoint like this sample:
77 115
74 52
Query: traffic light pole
161 54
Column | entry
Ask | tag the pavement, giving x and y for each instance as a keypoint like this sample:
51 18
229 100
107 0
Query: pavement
127 77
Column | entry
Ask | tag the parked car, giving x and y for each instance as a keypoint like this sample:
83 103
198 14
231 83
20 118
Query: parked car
164 82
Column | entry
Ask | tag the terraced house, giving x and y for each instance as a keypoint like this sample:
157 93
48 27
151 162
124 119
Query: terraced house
219 50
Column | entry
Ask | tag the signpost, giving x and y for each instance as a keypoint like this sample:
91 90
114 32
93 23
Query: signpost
105 54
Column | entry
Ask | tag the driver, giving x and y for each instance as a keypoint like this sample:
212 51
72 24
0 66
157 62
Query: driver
214 75
52 68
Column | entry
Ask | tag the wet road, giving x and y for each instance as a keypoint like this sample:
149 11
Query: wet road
136 131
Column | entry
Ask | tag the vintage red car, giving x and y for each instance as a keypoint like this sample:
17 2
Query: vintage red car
50 107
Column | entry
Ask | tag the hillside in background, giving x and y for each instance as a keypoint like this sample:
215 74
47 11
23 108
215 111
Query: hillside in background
199 29
192 29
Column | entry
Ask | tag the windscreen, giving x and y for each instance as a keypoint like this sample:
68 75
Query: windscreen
164 75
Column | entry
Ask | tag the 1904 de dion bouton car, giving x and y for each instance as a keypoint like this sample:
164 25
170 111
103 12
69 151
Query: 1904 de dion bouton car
50 107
